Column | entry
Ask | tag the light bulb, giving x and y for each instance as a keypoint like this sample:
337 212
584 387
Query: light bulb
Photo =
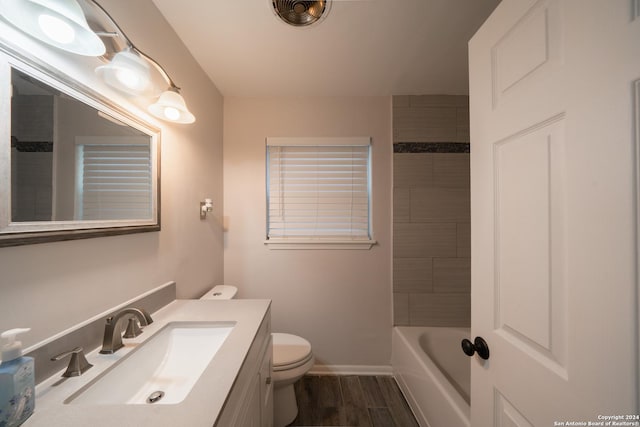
56 29
59 23
170 106
128 78
171 113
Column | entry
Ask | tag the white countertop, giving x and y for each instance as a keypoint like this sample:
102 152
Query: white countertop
203 404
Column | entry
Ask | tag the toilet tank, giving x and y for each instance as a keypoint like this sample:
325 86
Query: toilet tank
220 292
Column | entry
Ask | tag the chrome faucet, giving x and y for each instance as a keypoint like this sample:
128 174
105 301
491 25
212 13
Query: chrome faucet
112 341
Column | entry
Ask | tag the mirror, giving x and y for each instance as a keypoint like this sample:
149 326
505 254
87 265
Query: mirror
72 165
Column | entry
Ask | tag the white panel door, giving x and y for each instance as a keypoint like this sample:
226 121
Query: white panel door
554 200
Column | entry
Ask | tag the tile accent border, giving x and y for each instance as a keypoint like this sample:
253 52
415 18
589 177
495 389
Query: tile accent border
32 146
431 147
89 334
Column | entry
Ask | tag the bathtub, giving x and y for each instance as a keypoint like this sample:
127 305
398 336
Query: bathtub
433 374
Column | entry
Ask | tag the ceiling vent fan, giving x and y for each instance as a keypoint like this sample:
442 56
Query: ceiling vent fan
300 13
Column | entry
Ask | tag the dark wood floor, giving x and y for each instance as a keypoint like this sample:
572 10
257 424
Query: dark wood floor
374 401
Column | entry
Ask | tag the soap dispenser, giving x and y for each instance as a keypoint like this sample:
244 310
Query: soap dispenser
17 381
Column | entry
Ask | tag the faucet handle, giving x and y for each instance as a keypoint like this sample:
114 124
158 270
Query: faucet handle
147 316
78 364
133 328
112 340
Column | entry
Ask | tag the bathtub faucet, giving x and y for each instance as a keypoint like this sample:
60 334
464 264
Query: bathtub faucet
112 340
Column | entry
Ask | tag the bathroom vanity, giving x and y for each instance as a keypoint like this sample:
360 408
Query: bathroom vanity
232 388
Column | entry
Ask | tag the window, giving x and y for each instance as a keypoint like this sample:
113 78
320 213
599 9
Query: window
113 180
318 193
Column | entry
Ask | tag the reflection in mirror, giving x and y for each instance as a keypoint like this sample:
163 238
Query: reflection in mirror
70 161
74 164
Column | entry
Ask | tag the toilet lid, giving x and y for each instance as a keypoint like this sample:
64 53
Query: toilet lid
289 349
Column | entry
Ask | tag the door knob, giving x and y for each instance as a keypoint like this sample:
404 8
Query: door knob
479 345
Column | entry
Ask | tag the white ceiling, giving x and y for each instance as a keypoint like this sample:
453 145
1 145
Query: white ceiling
361 48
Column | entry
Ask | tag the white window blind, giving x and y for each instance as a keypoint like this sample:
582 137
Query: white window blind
114 181
318 189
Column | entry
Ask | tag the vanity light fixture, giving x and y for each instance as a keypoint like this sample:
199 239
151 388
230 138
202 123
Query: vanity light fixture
171 106
59 23
128 72
205 206
63 24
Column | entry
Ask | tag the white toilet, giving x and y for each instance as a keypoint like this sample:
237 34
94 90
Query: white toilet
292 358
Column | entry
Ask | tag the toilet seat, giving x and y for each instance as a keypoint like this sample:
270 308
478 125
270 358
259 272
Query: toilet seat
290 351
279 368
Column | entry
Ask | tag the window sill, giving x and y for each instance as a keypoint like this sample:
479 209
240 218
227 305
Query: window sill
279 244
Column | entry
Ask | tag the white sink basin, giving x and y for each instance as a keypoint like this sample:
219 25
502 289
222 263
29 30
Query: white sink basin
161 370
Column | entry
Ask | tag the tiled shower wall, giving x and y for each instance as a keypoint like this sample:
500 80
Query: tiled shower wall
431 209
32 157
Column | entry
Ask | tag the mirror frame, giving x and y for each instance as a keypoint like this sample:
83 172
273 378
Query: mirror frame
24 233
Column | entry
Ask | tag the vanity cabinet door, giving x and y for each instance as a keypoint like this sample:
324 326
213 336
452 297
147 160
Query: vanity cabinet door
250 403
258 406
266 385
251 412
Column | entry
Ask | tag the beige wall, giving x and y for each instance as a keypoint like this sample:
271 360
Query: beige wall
51 287
339 300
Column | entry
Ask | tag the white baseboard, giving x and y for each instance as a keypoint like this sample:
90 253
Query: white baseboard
350 370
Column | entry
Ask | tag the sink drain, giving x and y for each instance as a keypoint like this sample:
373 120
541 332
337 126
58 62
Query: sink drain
155 396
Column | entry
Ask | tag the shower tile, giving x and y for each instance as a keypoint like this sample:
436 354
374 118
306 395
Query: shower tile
431 134
401 205
462 135
440 309
461 101
427 119
400 309
425 240
400 101
464 239
452 275
462 116
412 170
451 170
423 118
462 128
440 204
412 275
431 210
